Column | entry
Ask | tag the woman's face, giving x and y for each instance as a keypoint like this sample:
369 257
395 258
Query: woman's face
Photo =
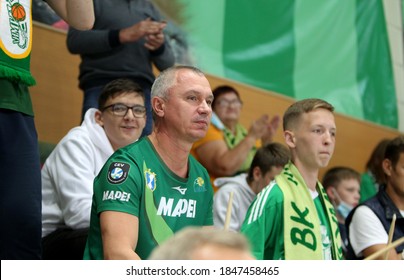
228 107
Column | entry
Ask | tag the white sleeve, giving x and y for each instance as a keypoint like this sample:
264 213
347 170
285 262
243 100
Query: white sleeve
73 175
366 230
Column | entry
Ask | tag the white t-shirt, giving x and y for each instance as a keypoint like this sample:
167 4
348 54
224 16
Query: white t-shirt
366 230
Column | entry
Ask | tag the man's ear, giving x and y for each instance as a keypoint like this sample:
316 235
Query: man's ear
330 192
257 173
290 139
387 167
158 105
99 118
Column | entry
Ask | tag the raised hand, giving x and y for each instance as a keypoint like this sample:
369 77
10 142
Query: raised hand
142 29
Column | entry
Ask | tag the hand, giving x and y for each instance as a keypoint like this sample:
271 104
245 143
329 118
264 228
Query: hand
259 127
142 29
271 130
154 41
264 128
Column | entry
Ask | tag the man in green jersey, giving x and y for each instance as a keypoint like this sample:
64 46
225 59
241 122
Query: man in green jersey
152 188
292 218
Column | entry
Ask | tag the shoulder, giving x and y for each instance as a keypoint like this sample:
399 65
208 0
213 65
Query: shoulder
76 142
135 151
272 193
363 219
223 192
363 213
270 198
126 160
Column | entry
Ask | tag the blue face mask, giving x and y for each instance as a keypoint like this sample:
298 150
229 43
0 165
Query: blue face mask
344 208
216 121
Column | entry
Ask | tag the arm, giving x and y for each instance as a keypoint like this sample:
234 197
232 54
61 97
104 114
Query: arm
263 224
88 42
218 159
77 13
392 254
161 51
152 31
119 233
367 234
98 41
73 175
270 129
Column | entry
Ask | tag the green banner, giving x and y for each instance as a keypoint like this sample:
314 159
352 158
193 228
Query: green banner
335 50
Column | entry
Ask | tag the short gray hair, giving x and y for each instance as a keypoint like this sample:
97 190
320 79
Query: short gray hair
167 78
184 243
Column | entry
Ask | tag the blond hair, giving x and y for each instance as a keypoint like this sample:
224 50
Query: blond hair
297 109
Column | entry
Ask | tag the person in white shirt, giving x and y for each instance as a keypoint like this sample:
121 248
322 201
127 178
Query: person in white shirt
268 162
69 171
370 223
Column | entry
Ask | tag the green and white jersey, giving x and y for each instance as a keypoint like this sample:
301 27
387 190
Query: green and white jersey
264 225
136 181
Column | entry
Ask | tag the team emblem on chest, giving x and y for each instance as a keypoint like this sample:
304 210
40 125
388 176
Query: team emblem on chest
150 179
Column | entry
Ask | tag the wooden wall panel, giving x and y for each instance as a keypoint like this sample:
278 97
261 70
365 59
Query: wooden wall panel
56 98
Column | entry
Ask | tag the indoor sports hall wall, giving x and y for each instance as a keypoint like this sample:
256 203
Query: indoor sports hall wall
57 101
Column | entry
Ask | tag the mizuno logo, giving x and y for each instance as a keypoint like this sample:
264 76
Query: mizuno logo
181 190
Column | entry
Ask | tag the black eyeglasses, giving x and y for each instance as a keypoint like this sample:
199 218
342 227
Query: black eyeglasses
227 103
121 110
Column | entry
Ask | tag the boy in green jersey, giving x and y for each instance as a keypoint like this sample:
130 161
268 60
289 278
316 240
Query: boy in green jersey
152 188
292 218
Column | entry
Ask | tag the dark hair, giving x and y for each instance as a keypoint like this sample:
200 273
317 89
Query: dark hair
118 87
222 90
393 150
374 163
335 175
273 154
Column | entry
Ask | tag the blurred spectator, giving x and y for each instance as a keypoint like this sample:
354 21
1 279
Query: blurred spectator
374 175
267 163
342 185
127 40
369 224
228 148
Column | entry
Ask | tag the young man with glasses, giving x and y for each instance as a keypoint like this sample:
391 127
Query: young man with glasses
228 148
68 173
